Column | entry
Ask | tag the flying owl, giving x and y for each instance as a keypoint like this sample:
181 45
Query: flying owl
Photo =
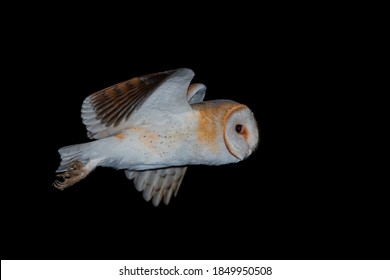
153 127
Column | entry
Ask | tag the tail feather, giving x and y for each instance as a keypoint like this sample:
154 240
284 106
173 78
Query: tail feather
74 166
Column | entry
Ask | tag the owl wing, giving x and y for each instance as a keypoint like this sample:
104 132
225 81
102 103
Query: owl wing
162 183
124 105
196 93
158 184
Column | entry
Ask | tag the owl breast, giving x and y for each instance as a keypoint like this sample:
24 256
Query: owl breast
166 142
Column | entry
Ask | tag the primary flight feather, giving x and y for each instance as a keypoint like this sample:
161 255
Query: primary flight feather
153 127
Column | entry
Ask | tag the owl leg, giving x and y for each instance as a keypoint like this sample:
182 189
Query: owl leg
75 172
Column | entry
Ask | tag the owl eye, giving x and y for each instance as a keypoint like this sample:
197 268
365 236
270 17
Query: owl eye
238 128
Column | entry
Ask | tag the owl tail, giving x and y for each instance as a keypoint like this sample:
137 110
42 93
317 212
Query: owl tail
74 165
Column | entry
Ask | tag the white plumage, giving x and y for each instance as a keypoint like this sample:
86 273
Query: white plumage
153 127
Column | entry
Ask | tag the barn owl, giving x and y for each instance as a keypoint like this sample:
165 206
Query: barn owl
153 127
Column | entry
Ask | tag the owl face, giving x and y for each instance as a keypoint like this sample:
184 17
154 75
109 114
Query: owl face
241 133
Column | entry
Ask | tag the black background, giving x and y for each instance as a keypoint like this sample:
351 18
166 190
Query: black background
301 195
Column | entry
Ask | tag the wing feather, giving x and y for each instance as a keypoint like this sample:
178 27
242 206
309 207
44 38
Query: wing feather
196 93
115 108
158 184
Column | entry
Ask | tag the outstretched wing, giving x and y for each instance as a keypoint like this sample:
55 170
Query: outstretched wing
162 183
115 108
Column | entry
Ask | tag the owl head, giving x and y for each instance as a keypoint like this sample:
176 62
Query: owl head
241 132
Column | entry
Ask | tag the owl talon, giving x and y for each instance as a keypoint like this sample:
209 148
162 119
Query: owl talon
76 165
75 172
